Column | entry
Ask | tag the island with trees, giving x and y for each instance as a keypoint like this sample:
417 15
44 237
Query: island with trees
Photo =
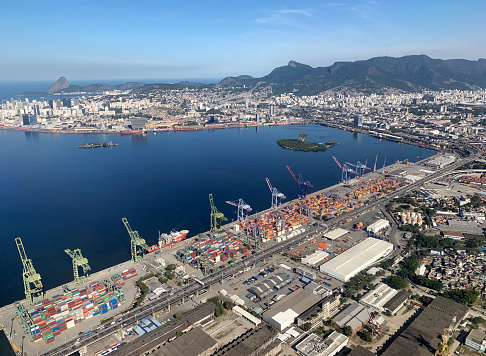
304 146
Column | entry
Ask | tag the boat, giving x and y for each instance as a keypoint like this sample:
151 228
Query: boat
162 130
133 132
166 240
97 144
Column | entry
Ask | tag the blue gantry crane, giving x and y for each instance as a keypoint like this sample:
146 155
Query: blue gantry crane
302 184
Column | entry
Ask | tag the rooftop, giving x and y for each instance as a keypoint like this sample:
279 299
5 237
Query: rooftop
194 342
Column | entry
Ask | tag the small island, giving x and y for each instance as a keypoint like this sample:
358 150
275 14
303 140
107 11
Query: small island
302 145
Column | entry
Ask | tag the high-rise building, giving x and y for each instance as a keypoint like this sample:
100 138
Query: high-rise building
271 110
36 109
25 120
358 120
137 123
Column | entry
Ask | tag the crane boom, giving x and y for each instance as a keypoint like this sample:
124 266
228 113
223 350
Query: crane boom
336 160
269 184
32 280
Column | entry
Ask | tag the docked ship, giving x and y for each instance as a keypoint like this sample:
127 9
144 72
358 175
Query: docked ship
166 240
133 132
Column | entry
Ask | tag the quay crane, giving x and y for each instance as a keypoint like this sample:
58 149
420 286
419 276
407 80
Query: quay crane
276 195
79 261
137 244
302 184
217 217
346 171
360 168
243 208
32 279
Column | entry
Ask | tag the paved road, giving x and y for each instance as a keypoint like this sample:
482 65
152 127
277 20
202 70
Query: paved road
159 304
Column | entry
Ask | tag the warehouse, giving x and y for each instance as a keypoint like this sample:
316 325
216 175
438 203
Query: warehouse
314 345
344 266
335 234
270 284
283 313
355 316
378 226
384 298
314 258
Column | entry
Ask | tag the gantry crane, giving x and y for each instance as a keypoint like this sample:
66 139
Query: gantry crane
137 244
217 217
25 320
443 349
360 168
32 279
302 184
346 171
276 195
243 208
79 261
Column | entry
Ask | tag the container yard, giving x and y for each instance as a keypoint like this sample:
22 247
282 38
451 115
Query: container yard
377 188
50 317
214 251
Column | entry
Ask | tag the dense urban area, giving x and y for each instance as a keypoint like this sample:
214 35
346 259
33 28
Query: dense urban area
390 261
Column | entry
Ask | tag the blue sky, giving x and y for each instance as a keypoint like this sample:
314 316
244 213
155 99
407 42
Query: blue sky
104 39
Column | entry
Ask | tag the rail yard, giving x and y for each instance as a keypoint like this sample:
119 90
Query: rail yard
238 255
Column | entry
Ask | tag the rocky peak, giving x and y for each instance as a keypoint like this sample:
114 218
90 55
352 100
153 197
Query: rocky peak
59 84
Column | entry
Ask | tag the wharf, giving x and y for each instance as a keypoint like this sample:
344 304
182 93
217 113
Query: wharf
12 327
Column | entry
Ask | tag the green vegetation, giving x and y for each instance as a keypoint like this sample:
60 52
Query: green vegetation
365 335
299 145
219 310
348 330
397 282
303 137
179 333
388 263
307 326
467 297
143 289
429 283
357 283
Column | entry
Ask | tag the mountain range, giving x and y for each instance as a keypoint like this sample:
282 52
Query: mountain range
408 73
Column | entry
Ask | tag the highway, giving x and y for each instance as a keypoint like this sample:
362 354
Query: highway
156 305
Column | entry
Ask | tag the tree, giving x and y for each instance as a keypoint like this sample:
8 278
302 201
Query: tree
303 136
171 267
307 326
179 333
169 274
177 315
365 335
348 330
228 305
397 282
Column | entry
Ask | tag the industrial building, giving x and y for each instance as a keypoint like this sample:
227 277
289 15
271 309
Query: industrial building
476 340
137 123
384 298
283 313
270 284
195 343
344 266
355 316
314 258
361 351
261 341
243 313
427 327
318 289
335 234
314 345
440 161
377 226
319 311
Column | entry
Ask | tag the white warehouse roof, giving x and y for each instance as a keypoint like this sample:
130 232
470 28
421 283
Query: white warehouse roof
378 225
336 233
344 266
314 258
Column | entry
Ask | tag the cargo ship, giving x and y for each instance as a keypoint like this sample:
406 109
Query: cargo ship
133 132
97 144
166 240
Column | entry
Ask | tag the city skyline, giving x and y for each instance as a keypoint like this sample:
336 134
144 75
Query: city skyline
110 40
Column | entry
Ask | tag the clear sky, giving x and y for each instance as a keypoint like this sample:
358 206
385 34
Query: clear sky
179 39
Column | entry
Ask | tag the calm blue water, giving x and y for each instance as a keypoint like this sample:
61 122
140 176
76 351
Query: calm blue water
57 196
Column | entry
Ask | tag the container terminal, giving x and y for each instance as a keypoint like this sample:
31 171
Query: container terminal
42 322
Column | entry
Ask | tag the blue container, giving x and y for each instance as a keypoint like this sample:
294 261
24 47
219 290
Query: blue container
104 311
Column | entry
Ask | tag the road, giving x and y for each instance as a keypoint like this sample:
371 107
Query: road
157 305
